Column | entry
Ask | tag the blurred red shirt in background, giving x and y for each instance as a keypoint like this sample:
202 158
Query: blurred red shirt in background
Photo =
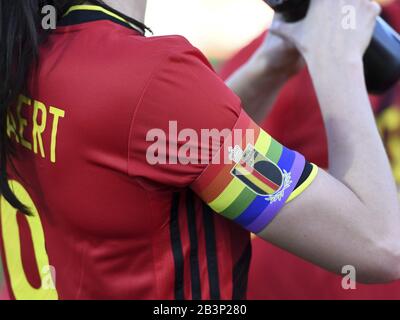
296 121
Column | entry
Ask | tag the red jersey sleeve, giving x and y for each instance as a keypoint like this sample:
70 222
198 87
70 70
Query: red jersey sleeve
184 97
190 131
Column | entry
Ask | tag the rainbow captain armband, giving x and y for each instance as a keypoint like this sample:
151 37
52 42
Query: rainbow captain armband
253 176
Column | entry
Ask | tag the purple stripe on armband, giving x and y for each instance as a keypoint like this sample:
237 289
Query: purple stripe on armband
273 209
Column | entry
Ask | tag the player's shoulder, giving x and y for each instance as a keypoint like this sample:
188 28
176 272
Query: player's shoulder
167 44
158 50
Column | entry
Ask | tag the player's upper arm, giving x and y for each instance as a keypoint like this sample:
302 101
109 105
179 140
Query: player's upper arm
275 193
182 100
189 130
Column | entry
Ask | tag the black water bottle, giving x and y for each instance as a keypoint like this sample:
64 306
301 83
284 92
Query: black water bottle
382 58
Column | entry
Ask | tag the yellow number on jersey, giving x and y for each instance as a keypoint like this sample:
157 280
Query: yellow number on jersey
389 127
20 285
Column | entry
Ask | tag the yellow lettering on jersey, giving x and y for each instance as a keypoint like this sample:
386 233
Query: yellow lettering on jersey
22 121
40 119
38 129
57 114
12 126
20 284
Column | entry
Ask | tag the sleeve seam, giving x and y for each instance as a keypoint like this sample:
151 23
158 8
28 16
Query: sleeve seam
136 110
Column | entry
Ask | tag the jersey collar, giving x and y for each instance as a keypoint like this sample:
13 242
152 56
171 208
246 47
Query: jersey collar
89 13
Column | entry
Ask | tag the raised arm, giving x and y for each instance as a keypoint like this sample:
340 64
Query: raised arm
351 217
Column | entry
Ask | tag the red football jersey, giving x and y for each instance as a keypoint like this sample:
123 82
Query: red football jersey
101 148
274 273
111 227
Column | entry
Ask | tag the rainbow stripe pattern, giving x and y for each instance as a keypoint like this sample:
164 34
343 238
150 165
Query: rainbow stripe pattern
259 179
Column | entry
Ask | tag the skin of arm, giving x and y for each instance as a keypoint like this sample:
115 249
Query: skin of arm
259 81
351 215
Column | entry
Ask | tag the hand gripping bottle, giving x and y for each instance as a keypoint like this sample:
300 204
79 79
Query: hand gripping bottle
382 58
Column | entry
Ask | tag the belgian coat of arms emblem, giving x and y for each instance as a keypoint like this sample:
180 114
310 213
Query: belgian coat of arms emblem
259 174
